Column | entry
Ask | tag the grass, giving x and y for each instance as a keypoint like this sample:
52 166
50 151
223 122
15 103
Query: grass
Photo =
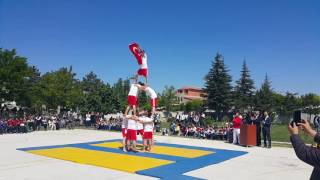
280 133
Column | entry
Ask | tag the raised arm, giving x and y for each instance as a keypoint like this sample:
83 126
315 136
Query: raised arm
146 120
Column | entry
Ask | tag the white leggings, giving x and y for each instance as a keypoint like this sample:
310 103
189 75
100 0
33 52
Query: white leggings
236 136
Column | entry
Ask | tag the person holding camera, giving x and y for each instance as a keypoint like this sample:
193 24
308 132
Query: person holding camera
307 154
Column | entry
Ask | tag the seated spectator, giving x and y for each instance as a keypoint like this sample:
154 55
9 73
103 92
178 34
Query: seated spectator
22 126
177 130
3 126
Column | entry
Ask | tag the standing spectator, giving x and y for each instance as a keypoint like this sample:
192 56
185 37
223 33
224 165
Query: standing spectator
45 123
266 126
88 118
53 123
257 121
92 119
196 119
38 122
236 128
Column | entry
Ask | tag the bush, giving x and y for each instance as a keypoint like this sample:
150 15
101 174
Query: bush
226 119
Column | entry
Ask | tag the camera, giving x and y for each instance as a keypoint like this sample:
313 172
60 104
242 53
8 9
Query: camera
296 117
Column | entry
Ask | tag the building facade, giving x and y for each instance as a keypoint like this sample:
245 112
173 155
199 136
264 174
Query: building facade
188 93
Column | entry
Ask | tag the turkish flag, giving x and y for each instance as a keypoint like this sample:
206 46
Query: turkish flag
137 52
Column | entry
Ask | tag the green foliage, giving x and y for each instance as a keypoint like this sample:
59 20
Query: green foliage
194 106
100 97
264 96
143 100
120 92
218 86
57 88
311 103
244 90
208 121
16 77
168 98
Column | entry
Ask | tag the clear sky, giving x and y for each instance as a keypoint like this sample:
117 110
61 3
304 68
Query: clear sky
277 37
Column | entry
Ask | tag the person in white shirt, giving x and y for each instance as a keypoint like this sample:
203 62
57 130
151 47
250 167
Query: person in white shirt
147 121
140 130
131 135
53 123
153 96
132 97
142 59
88 119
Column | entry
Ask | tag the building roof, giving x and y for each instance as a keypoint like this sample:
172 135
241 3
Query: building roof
191 87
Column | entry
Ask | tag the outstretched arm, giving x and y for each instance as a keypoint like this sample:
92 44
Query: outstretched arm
146 120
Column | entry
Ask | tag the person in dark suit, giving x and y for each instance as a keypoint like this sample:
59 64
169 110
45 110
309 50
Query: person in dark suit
266 128
257 121
306 154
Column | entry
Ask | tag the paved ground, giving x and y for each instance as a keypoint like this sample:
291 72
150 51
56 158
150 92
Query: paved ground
258 164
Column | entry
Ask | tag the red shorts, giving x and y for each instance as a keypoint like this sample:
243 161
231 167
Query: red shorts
131 135
143 72
132 100
148 135
154 102
140 132
124 132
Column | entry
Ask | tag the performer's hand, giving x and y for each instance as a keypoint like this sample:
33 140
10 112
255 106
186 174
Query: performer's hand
293 129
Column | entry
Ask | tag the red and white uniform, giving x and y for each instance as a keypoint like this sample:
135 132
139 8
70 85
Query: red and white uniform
148 127
153 96
133 93
124 127
131 131
143 71
139 128
141 57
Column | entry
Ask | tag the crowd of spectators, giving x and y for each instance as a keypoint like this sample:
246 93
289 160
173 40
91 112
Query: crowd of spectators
201 132
184 124
112 122
37 123
193 125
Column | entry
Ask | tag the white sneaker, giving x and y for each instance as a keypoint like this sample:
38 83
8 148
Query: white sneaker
125 150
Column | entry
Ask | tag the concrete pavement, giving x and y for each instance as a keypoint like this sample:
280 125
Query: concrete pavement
258 164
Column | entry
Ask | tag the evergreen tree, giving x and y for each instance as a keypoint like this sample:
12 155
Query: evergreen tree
120 92
244 90
218 87
264 96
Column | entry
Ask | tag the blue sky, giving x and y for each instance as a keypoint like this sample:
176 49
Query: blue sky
181 37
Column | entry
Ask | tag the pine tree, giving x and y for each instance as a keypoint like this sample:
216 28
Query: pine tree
218 87
244 90
264 96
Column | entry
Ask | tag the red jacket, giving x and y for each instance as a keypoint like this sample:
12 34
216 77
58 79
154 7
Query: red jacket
237 122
